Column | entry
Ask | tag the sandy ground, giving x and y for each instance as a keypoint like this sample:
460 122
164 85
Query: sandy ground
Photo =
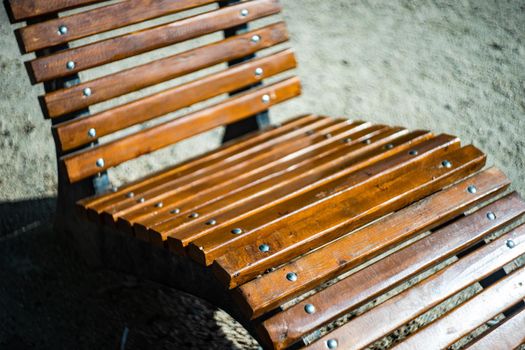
456 67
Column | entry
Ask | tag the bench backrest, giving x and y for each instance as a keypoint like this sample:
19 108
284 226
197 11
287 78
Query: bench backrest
49 33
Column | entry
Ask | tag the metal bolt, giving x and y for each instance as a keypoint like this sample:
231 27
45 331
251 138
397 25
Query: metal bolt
256 38
175 211
62 30
347 140
291 276
141 200
100 162
130 194
389 146
265 98
92 132
114 189
367 141
245 12
264 248
159 205
472 189
327 136
309 308
86 92
70 65
511 244
194 215
413 152
236 231
331 344
259 71
491 216
446 164
211 222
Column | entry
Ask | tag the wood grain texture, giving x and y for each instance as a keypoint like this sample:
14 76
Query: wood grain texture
45 34
350 200
414 301
268 292
74 133
107 87
510 334
291 325
466 318
82 164
24 9
92 55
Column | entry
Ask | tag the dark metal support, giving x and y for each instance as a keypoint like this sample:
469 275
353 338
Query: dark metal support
252 123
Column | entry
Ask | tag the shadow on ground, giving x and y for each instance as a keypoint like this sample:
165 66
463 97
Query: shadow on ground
49 299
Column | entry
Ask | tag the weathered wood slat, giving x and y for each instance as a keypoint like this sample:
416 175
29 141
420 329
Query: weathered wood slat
238 206
65 63
231 153
268 292
24 9
466 318
82 164
45 34
291 325
508 335
102 89
75 133
411 303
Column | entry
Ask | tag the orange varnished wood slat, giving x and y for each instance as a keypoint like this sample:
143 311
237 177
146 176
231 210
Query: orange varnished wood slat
102 89
56 65
227 211
268 292
291 325
413 302
233 179
440 145
154 194
75 133
510 334
45 34
466 318
231 153
23 9
82 164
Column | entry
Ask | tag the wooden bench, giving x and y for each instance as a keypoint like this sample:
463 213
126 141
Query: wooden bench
324 233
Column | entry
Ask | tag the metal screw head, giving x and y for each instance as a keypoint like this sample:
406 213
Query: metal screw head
245 12
92 132
511 244
130 194
256 38
259 71
389 146
175 211
100 162
291 276
413 152
331 344
347 140
472 189
141 200
446 164
86 92
265 98
264 248
70 65
114 189
159 205
211 222
62 30
194 215
327 136
491 216
367 141
236 231
309 309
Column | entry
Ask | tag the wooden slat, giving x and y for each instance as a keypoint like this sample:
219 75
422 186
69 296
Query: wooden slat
466 318
226 155
268 292
414 301
75 133
184 230
24 9
291 325
246 173
82 164
45 34
92 55
508 335
102 89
